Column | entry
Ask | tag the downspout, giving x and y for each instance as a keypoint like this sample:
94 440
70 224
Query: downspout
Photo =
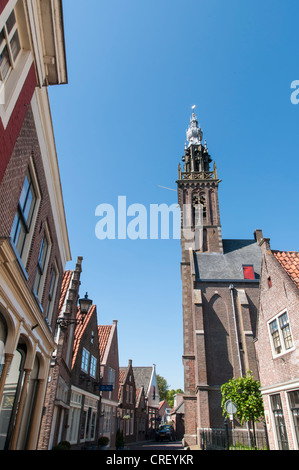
231 288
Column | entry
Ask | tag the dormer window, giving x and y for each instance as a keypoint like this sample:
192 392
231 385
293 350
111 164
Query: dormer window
248 271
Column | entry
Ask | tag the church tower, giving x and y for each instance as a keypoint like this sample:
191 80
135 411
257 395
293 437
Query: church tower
198 194
220 286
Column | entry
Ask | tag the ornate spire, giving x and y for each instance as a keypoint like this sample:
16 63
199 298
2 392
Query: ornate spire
194 132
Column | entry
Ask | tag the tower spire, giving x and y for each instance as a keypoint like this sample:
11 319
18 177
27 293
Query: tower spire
194 132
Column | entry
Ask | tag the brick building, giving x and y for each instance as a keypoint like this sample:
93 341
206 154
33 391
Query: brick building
127 403
55 415
220 283
277 344
141 416
146 377
84 412
109 367
34 245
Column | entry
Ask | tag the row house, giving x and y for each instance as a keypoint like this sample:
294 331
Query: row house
34 243
277 344
127 403
84 412
138 413
177 416
141 417
146 377
109 377
164 412
85 363
53 426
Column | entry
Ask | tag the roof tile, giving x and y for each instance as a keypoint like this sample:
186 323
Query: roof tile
289 260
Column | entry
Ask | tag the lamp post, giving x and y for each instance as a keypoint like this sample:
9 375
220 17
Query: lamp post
85 305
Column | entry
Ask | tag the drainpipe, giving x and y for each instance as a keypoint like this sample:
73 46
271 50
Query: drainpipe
231 288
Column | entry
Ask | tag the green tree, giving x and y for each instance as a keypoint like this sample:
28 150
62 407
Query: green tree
162 387
245 393
170 396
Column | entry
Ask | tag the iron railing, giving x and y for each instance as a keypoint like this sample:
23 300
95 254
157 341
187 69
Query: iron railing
231 439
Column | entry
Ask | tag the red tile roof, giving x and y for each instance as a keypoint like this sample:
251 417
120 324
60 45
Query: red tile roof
289 260
66 279
80 328
104 333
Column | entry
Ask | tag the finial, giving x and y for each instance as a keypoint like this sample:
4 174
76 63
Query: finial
194 132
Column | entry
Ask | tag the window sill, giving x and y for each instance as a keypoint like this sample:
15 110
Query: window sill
37 301
277 356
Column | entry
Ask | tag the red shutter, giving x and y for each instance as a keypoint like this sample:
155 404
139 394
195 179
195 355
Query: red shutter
248 272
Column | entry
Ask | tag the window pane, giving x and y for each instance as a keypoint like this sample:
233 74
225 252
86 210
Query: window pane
24 192
43 253
85 360
52 285
11 22
27 200
27 211
4 63
281 431
294 404
2 37
37 281
20 237
15 45
283 320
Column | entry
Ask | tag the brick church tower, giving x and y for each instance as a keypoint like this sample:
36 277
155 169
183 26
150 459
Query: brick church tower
220 283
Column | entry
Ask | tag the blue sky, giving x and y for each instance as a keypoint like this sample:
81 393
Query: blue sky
135 69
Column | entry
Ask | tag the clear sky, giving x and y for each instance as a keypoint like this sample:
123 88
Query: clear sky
135 68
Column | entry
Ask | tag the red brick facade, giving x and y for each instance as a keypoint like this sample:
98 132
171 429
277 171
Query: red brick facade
219 301
9 135
28 300
279 368
27 147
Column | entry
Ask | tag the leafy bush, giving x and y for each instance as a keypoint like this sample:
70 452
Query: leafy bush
103 441
63 445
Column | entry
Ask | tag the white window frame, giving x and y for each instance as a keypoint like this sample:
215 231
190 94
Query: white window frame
23 257
6 43
280 332
93 366
15 79
74 417
43 274
85 360
52 293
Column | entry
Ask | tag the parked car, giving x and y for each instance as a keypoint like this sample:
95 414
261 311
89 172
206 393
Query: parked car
165 431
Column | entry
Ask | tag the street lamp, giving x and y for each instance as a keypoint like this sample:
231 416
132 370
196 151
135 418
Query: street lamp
85 305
